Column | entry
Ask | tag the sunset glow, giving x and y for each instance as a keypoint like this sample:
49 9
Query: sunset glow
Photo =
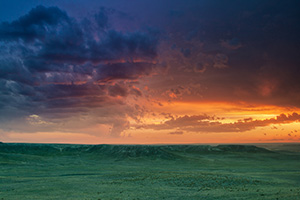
149 73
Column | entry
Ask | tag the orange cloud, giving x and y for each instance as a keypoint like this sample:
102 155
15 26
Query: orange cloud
205 123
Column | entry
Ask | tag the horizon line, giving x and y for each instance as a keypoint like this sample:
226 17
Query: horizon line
149 144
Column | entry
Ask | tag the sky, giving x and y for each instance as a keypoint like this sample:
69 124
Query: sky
149 72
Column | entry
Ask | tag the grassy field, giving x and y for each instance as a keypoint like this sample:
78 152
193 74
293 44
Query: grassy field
52 171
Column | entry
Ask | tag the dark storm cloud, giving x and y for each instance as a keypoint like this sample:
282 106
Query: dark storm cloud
53 62
101 18
34 24
124 71
57 43
56 38
74 47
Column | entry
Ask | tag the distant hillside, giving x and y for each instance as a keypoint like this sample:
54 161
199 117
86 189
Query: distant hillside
127 151
288 147
34 149
243 148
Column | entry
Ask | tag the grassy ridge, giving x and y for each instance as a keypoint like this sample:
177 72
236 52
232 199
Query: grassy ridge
158 151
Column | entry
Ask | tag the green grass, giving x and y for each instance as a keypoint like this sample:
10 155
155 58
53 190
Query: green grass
146 172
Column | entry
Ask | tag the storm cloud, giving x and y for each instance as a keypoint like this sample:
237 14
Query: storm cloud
53 62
